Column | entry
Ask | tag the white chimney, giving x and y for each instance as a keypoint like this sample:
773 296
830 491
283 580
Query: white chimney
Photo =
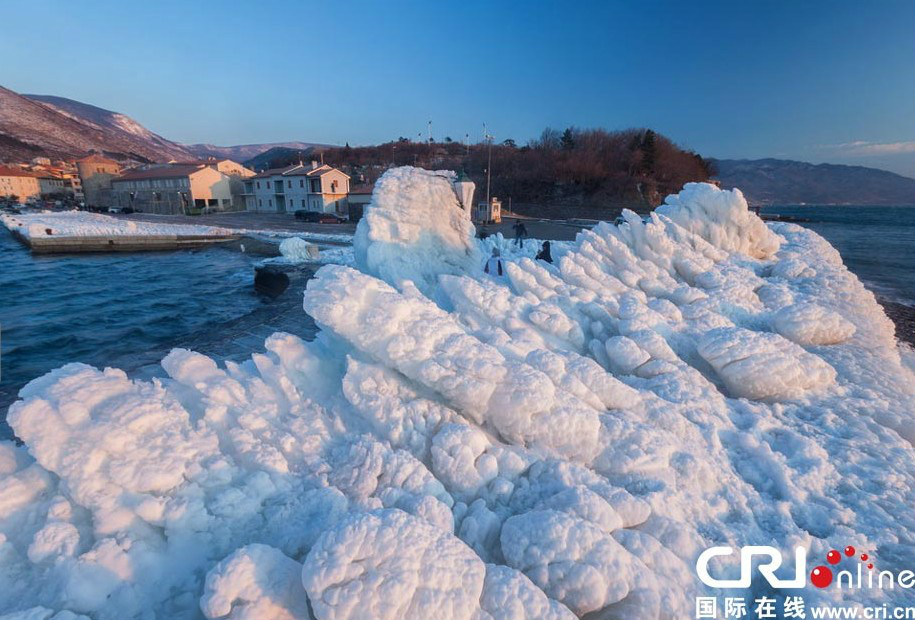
314 164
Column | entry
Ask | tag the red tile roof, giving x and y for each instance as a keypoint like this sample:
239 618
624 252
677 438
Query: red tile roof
11 171
97 159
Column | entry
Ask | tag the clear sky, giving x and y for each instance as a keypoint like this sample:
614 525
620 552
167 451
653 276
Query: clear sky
817 81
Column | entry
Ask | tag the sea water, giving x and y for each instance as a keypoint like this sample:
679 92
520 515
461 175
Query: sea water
99 308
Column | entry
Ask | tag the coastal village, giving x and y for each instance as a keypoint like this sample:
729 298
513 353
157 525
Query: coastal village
98 183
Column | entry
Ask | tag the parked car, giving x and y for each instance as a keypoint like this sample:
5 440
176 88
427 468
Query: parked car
308 216
329 218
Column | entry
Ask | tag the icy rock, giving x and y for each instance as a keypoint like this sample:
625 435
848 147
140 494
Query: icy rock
297 250
56 539
253 583
625 355
388 565
572 560
461 461
509 595
811 324
763 366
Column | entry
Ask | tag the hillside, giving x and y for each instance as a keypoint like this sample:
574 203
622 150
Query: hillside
119 126
781 181
62 128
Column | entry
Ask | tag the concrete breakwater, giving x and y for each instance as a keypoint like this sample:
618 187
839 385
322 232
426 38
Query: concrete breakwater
53 244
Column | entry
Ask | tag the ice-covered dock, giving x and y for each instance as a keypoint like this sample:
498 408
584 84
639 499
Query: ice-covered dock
78 231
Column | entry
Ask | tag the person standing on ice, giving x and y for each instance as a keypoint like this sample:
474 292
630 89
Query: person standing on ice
544 253
520 233
494 265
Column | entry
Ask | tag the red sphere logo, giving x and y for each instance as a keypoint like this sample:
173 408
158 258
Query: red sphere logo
821 576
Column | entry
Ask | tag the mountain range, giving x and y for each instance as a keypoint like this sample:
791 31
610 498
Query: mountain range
783 181
61 128
248 152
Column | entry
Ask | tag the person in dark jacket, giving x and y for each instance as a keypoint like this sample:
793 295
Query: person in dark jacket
494 264
544 253
520 233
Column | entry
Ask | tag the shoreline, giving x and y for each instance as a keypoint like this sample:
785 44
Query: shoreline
903 317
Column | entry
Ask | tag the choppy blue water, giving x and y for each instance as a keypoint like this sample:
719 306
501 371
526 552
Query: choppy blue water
100 308
876 243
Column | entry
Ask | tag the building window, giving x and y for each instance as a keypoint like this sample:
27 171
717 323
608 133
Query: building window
303 203
316 186
213 202
260 202
200 203
258 185
269 202
301 182
289 183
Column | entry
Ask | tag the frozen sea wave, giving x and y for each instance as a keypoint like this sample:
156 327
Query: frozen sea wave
561 441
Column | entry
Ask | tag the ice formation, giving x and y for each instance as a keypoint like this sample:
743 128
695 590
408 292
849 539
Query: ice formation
297 250
561 441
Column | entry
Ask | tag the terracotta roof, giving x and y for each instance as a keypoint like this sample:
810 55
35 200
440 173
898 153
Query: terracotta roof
159 172
97 159
10 171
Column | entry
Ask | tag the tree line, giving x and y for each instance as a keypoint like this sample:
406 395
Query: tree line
572 167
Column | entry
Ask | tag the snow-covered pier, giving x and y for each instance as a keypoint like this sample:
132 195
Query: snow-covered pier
76 231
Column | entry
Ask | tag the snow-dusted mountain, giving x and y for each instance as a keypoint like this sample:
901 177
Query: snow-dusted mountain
33 125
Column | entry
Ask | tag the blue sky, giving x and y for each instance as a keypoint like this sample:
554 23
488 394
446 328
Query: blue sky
818 81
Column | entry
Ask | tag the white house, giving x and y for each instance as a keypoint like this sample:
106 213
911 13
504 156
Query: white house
319 188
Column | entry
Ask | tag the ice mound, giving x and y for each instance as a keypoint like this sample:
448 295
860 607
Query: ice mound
722 218
811 324
255 582
561 442
763 366
415 229
388 565
297 250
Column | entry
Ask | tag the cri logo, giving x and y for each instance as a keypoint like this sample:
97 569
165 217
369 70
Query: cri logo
821 576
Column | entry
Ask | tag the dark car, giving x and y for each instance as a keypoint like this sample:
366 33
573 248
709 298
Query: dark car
308 216
328 218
